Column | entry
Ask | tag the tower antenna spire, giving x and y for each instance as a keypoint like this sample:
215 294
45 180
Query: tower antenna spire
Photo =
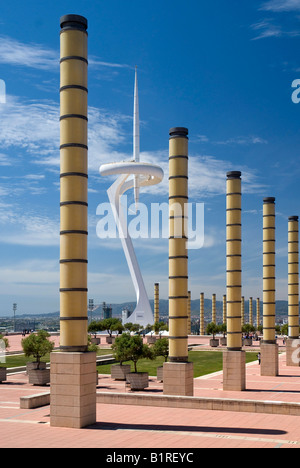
136 138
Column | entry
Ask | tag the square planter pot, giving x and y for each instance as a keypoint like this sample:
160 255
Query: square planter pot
138 380
214 343
33 365
95 341
223 341
3 374
151 339
160 374
248 342
119 372
39 376
110 339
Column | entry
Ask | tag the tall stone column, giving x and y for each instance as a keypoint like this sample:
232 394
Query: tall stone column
73 369
213 309
189 314
257 312
243 310
224 308
269 347
251 310
156 303
202 327
293 342
178 372
234 360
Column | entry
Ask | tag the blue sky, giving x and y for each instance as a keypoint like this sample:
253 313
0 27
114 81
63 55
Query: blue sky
222 69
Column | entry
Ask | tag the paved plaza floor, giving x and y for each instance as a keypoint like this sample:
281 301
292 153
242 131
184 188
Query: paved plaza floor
139 427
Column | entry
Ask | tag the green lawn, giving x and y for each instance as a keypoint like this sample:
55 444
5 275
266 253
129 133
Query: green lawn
21 360
205 362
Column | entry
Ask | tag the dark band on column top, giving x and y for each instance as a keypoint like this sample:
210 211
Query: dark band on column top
73 22
178 132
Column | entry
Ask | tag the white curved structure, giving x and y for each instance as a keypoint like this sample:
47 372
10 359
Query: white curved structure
148 174
143 175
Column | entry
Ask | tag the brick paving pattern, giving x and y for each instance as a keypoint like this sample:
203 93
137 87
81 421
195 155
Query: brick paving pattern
122 426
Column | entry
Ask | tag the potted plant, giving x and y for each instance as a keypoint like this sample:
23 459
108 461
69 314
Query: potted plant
138 350
153 329
247 329
161 348
38 345
223 329
212 329
120 350
93 328
111 325
3 346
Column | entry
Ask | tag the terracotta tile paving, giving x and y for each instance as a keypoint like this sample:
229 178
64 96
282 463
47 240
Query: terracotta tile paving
136 427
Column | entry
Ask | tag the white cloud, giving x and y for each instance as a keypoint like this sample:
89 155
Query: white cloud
281 5
37 56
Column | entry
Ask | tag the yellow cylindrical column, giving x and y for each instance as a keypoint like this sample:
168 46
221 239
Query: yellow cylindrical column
257 312
224 308
156 302
73 183
178 254
213 309
189 314
234 261
269 314
293 277
202 326
243 310
251 310
234 358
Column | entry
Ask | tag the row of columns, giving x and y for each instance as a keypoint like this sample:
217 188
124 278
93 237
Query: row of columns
73 368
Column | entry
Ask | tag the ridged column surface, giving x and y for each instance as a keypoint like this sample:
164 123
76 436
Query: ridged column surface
202 327
156 303
234 260
189 314
73 183
178 253
224 308
269 314
293 277
243 311
213 309
251 310
258 312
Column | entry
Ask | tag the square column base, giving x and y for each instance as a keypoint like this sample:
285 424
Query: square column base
293 352
269 360
234 371
178 378
72 389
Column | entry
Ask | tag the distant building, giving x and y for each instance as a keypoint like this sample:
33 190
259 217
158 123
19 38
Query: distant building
107 311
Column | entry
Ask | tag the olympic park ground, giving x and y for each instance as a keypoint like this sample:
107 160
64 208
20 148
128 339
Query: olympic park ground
266 415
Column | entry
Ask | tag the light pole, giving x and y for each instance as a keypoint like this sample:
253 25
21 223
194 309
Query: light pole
14 309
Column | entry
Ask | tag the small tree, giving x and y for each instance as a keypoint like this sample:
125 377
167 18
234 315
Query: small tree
95 326
161 348
121 348
4 345
37 345
247 328
159 327
223 329
212 329
138 350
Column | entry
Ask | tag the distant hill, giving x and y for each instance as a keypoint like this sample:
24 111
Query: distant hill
281 309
